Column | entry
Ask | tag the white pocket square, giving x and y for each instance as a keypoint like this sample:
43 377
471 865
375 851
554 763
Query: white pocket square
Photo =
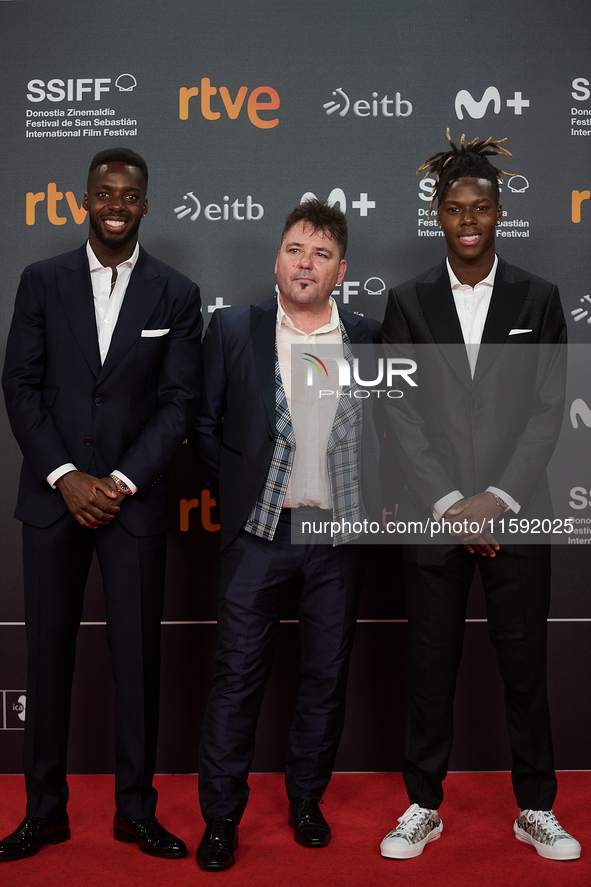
149 334
518 332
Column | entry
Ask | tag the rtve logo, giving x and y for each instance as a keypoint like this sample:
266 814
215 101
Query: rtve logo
232 106
577 197
50 201
477 109
207 504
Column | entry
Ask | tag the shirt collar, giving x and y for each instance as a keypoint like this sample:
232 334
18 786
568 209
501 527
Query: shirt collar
95 265
489 280
284 320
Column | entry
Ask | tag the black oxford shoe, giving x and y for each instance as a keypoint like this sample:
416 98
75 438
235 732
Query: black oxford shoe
31 835
150 835
310 826
219 841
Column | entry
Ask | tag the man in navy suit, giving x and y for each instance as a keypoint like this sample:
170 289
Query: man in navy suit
273 468
101 383
475 442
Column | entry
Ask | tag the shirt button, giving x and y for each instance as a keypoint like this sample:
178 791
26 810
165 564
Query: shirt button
87 441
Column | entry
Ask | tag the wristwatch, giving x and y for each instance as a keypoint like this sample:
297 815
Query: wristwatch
500 502
121 486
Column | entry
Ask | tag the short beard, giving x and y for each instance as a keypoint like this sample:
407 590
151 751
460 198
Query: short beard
112 240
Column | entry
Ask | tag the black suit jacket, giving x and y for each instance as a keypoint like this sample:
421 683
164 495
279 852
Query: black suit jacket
131 413
234 433
499 428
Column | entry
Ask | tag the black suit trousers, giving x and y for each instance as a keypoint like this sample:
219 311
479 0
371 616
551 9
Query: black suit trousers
56 564
517 589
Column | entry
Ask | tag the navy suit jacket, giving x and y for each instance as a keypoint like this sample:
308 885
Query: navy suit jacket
234 434
131 413
498 428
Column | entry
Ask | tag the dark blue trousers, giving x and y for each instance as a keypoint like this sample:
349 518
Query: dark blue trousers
254 578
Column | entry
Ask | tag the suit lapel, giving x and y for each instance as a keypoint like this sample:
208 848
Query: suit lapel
439 309
357 331
347 412
262 330
143 293
505 307
75 293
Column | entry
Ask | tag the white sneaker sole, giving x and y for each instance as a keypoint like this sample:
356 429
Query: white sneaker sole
398 848
553 852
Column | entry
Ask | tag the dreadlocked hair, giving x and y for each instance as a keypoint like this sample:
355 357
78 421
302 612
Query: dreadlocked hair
468 160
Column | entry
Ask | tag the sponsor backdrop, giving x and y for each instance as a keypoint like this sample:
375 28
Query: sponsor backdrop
240 110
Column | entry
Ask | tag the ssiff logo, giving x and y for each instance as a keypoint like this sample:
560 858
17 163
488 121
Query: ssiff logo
57 90
373 286
478 108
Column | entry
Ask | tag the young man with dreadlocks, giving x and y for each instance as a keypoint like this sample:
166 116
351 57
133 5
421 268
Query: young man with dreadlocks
479 450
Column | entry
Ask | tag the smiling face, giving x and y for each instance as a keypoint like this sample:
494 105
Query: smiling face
308 267
116 203
468 214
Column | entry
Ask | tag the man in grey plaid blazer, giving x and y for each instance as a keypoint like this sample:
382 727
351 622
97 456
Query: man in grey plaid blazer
246 436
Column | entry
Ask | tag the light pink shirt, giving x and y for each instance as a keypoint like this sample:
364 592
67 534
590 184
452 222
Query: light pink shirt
309 483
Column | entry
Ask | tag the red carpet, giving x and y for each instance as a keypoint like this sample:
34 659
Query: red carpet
361 808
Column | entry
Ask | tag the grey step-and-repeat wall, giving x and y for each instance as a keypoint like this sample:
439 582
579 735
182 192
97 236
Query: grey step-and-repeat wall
240 109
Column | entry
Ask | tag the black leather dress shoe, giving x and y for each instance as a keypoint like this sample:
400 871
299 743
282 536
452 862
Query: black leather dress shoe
310 826
150 835
31 835
219 841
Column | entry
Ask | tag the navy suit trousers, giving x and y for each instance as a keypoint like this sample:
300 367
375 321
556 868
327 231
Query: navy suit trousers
254 579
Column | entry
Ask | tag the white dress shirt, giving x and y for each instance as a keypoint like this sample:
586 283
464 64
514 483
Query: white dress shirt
472 304
107 305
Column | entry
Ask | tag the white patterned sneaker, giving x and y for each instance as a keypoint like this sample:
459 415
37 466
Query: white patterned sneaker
541 829
417 827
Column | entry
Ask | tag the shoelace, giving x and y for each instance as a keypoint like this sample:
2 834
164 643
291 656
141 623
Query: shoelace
32 823
546 821
148 826
308 808
218 829
411 821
